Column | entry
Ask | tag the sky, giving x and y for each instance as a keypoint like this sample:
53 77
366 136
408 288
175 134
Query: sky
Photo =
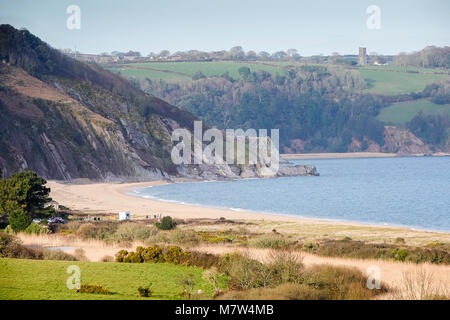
312 27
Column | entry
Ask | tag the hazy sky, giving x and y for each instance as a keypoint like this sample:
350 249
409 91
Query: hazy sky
312 27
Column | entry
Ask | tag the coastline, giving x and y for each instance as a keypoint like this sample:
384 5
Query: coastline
351 155
114 197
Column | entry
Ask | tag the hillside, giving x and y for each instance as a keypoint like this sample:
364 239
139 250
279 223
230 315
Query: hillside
66 119
317 107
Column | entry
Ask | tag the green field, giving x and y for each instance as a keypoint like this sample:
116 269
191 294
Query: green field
397 81
400 113
388 80
44 279
185 70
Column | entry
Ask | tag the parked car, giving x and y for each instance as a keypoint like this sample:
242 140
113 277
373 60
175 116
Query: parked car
56 220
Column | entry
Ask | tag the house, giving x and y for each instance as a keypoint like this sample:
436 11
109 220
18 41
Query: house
124 216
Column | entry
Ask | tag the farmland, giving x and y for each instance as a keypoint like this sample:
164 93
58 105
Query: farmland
400 113
175 71
387 80
391 81
37 279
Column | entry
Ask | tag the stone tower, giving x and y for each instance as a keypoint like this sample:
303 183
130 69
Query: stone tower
362 57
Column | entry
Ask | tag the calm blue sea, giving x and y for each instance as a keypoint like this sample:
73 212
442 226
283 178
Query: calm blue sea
407 191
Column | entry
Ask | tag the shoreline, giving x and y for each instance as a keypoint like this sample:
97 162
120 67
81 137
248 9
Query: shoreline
129 192
114 197
353 155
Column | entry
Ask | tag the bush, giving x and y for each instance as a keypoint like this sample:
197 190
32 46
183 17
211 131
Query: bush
284 277
188 283
166 223
244 272
56 255
99 231
128 232
145 291
359 249
107 259
92 288
34 228
271 242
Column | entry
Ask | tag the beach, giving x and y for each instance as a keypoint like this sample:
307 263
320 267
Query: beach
112 198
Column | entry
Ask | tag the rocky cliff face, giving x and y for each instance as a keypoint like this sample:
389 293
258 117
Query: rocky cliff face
66 120
403 142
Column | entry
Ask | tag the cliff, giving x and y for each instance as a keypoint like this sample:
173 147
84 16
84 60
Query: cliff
66 119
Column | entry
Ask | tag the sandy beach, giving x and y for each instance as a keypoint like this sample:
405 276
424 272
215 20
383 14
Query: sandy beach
113 197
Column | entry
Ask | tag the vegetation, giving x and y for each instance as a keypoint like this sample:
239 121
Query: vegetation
166 223
170 254
429 57
403 112
323 282
10 247
23 197
284 277
145 291
394 82
32 279
438 254
92 288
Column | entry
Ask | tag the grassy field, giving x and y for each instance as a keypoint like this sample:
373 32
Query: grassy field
38 279
403 112
390 82
185 70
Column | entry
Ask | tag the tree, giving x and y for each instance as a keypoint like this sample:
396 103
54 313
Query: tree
164 53
244 72
264 55
166 223
28 190
19 219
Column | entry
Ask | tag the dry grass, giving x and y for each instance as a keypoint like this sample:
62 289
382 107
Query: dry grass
421 284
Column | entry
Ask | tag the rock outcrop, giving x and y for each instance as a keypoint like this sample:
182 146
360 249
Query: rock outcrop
403 142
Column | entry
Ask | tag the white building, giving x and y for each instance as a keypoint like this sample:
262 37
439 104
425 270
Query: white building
124 215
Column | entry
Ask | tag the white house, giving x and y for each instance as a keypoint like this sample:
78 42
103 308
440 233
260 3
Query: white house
124 215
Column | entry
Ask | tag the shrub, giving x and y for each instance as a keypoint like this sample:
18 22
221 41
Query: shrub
107 259
56 255
166 223
92 288
99 231
145 291
188 283
128 232
401 255
80 254
399 240
9 230
203 260
244 272
176 255
34 228
360 249
271 242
